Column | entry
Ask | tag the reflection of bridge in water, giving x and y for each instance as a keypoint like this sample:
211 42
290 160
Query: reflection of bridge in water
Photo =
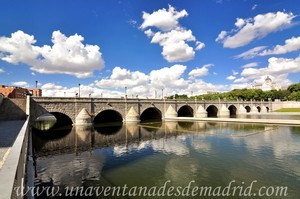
84 138
81 110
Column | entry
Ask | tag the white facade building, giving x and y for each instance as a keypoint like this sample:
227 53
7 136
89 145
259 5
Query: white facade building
267 85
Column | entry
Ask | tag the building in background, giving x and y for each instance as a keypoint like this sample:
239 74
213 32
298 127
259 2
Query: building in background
35 92
18 92
267 85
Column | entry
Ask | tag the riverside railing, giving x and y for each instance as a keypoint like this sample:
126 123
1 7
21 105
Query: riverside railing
13 171
18 171
1 98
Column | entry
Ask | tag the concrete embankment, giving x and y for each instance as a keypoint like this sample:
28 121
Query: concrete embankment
237 120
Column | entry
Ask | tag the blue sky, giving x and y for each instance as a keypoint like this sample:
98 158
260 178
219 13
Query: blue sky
185 47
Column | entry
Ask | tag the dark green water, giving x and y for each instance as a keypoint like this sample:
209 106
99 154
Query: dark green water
173 155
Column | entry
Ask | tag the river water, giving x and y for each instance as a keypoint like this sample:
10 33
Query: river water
175 159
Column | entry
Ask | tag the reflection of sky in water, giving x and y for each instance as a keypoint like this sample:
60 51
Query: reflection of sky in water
209 153
69 169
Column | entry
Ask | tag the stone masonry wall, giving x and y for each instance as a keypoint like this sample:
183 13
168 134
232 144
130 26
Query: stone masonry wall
13 109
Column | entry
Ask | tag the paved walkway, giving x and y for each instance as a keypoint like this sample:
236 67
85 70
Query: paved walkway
9 130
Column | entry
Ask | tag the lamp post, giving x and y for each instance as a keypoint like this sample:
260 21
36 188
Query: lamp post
125 92
162 93
79 90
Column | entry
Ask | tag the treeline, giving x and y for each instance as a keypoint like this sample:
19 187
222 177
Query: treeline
292 93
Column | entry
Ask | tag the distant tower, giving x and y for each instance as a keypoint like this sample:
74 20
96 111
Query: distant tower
268 81
267 85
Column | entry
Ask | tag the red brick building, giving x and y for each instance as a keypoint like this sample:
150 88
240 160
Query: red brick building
18 92
35 92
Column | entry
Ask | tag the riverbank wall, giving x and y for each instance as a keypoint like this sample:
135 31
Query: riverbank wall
285 104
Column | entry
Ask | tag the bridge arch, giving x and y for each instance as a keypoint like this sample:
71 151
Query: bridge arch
108 116
62 118
108 122
44 126
212 111
248 109
185 111
258 109
232 110
151 113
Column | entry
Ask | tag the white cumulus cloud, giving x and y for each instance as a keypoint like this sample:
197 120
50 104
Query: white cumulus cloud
163 19
168 80
22 84
250 65
56 90
278 69
199 72
241 80
170 35
67 55
1 70
169 77
122 77
251 53
231 77
18 48
250 29
291 45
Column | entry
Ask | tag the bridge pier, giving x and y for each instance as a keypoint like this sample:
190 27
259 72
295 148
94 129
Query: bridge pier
241 110
170 112
83 118
263 109
254 109
223 111
132 116
201 112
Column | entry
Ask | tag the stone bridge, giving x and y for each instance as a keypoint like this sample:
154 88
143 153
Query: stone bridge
89 110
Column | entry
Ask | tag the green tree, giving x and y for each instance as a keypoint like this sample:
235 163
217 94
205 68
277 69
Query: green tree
294 87
294 96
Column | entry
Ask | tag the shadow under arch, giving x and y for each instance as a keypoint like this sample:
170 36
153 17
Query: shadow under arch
212 111
57 130
151 114
108 122
186 111
258 109
185 124
152 127
232 110
248 109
